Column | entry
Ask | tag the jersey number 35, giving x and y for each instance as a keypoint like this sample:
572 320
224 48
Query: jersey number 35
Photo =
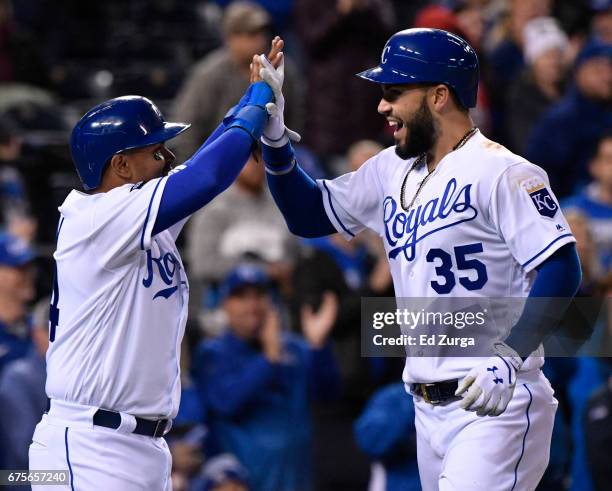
445 268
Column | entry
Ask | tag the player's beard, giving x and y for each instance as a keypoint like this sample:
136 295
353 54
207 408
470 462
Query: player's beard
421 133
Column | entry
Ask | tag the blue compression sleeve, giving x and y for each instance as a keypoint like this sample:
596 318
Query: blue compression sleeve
296 194
556 284
559 275
210 171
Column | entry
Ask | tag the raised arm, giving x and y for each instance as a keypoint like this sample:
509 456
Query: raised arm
213 168
296 194
217 163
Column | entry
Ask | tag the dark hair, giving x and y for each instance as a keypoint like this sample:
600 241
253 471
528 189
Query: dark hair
453 94
457 102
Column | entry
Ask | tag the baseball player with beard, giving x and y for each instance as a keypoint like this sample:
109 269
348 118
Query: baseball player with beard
120 292
460 216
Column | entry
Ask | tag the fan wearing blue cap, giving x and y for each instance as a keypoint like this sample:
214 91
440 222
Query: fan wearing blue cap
257 380
241 277
16 290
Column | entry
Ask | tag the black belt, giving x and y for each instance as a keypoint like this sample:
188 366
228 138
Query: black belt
147 427
436 392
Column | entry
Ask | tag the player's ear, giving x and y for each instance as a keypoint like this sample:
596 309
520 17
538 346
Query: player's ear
440 97
120 166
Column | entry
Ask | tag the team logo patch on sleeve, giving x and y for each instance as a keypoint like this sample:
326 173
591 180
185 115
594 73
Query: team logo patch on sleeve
542 199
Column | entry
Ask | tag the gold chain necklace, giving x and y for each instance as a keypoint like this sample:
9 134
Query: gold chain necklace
420 160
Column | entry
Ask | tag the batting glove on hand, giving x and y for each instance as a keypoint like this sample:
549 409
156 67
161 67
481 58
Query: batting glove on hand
488 388
276 134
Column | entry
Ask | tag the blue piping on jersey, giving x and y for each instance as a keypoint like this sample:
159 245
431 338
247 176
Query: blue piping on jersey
524 438
68 460
59 227
334 211
53 309
509 371
546 248
144 227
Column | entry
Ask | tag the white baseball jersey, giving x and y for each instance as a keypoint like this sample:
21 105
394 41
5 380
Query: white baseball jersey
481 223
119 304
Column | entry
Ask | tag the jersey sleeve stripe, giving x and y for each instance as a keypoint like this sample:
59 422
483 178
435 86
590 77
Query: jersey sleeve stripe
331 205
144 227
546 248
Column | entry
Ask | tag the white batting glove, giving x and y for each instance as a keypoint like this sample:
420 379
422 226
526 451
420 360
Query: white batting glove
276 134
488 388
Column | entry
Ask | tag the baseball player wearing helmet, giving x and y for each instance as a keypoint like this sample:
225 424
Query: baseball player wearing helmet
120 292
460 216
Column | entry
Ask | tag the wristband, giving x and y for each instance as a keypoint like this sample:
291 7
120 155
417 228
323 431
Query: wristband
251 119
257 94
509 354
278 160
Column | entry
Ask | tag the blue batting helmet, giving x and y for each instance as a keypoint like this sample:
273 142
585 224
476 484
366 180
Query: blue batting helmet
428 55
113 126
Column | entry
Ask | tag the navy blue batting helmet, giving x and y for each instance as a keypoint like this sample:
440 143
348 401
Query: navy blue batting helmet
113 126
428 55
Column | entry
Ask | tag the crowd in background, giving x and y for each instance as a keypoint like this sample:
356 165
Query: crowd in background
276 396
